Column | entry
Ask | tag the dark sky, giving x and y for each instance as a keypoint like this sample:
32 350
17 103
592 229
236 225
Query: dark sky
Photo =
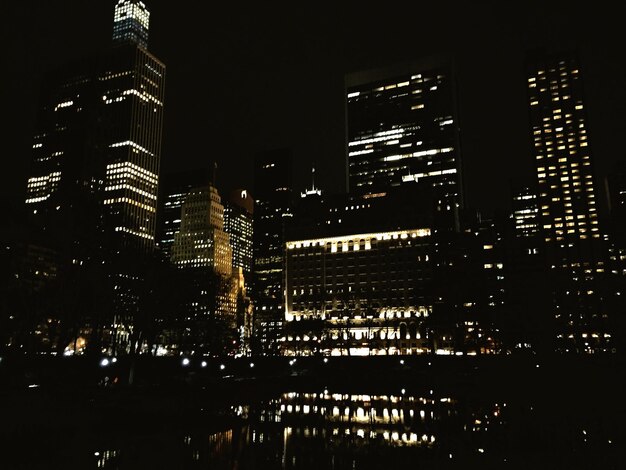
242 79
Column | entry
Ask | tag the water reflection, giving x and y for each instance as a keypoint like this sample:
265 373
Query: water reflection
339 430
334 429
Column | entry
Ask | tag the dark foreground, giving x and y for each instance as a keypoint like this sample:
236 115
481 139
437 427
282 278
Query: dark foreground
346 413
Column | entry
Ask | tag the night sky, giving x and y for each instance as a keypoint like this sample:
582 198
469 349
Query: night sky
244 79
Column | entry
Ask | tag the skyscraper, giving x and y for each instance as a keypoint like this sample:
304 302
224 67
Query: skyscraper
173 191
202 251
202 241
238 210
95 169
402 127
98 139
272 193
561 152
567 200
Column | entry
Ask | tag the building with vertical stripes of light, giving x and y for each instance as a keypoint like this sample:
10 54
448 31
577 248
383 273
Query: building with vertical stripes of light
98 136
402 126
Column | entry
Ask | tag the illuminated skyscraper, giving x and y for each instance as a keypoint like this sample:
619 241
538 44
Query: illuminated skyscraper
202 241
402 127
173 190
567 201
238 210
202 250
96 160
131 22
98 143
562 154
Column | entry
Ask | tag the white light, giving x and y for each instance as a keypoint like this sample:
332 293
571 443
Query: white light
325 360
33 386
252 364
114 360
403 391
203 364
104 362
185 362
222 367
401 361
97 454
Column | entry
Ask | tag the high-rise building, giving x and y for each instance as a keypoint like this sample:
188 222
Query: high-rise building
562 153
567 201
273 199
238 210
202 251
98 143
173 191
202 241
402 127
96 160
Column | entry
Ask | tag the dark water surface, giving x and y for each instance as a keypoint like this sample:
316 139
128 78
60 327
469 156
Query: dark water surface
559 415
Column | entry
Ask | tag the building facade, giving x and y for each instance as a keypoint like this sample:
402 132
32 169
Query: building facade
402 127
567 201
238 219
358 271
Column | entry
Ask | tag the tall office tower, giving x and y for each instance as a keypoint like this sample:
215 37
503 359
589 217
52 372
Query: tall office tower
202 241
272 193
131 22
96 160
98 143
202 251
567 200
238 210
173 191
402 127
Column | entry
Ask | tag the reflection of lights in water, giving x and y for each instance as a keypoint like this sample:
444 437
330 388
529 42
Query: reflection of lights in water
393 423
105 456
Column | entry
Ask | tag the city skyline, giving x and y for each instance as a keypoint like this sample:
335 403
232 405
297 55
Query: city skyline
294 238
286 102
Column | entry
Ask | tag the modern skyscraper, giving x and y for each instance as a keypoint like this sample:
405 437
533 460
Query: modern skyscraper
402 127
562 154
98 140
567 200
238 210
95 169
273 199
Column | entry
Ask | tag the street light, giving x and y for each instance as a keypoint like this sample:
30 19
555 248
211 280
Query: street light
104 362
185 362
